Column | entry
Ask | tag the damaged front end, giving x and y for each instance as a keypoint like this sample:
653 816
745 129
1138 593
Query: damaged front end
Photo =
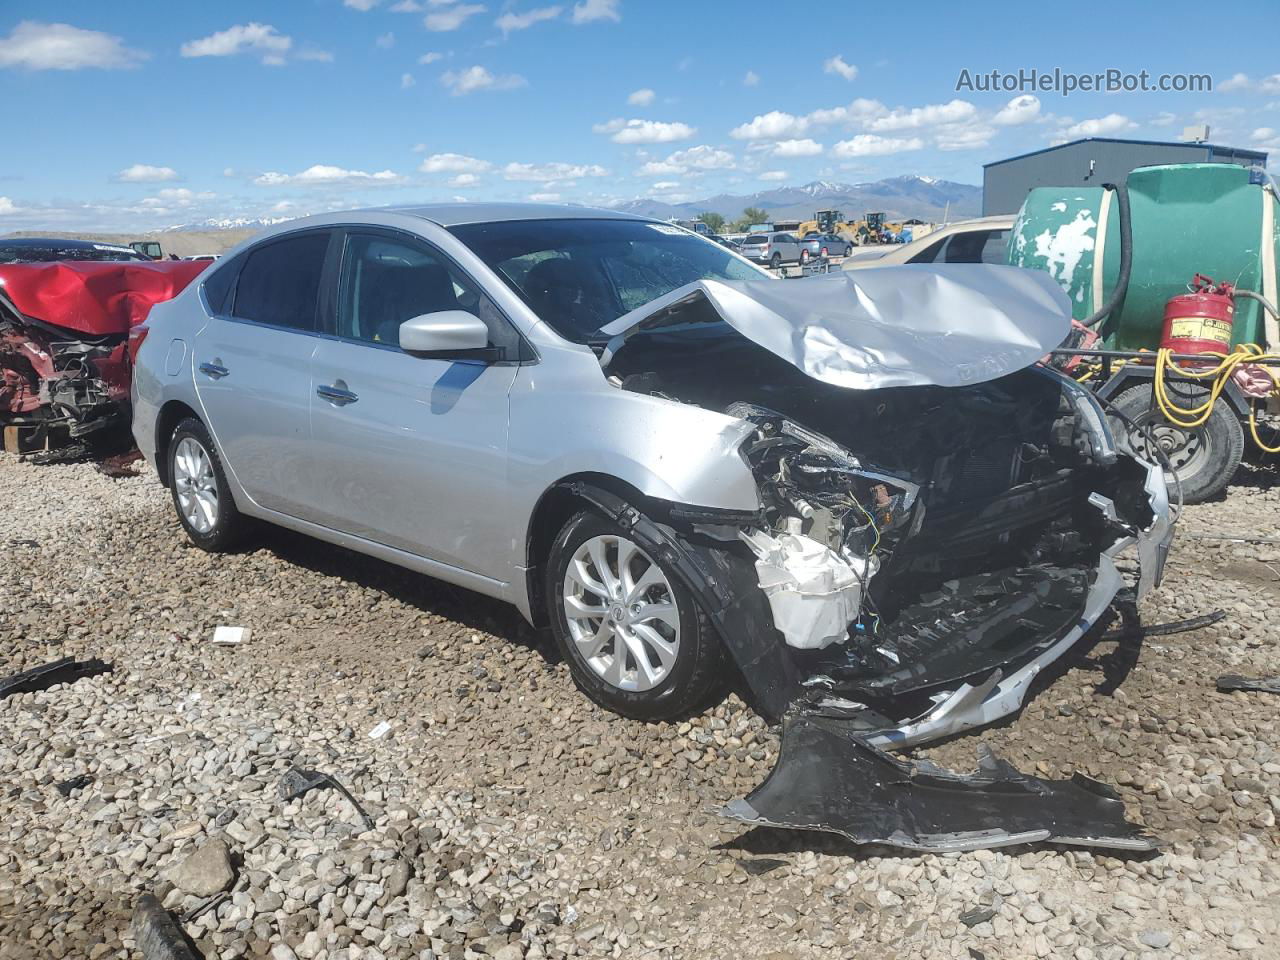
65 331
928 542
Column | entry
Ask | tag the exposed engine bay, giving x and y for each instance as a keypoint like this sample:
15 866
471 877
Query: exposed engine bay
916 544
65 331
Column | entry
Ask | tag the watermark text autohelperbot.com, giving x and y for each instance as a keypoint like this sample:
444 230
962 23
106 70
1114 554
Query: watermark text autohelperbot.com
1065 82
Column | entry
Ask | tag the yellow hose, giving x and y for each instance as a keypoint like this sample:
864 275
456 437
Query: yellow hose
1191 417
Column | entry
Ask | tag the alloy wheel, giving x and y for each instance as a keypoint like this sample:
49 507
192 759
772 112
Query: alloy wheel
621 613
195 484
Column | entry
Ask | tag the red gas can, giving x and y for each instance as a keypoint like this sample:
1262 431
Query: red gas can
1200 321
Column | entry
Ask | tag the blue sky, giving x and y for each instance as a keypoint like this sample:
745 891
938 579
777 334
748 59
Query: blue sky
145 114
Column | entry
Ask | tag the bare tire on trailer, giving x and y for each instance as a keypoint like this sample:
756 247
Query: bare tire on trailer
1205 457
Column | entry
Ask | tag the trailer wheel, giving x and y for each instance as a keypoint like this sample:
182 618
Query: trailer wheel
1205 457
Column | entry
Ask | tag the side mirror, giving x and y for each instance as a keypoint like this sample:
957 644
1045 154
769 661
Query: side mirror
446 333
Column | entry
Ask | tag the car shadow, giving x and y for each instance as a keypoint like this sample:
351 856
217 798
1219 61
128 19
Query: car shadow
472 610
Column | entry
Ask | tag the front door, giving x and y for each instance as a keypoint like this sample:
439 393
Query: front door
410 451
252 368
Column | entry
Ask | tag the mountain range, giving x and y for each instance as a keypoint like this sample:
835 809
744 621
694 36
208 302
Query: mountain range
898 197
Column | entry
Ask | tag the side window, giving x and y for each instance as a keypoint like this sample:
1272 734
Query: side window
279 283
996 247
931 253
387 280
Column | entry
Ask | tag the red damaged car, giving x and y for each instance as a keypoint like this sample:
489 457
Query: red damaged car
65 331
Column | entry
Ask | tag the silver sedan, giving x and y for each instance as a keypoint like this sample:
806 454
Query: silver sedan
675 462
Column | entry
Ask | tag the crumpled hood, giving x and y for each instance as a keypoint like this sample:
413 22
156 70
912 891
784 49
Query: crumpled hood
947 325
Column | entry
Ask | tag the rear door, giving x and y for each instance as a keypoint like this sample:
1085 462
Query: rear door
411 451
253 368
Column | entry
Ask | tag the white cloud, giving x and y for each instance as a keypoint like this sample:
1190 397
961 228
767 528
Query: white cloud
59 46
869 145
860 110
544 197
1100 126
509 22
774 175
453 163
645 131
451 18
683 161
1270 84
172 197
476 78
325 175
258 38
1163 119
774 125
146 173
406 6
406 81
797 148
8 206
431 57
641 98
590 10
662 186
1018 111
1237 81
836 65
750 79
926 116
364 6
1263 133
551 172
964 136
385 41
464 180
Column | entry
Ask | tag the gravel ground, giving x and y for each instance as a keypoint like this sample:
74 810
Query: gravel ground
512 818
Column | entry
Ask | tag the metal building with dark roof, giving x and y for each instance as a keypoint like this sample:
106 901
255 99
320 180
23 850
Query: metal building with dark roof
1092 162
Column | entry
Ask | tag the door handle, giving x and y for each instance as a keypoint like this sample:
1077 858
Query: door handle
336 395
215 370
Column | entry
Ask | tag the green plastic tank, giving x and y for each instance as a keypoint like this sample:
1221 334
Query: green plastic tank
1187 218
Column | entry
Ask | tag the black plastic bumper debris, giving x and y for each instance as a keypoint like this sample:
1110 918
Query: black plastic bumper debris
158 935
827 779
66 670
1233 681
298 781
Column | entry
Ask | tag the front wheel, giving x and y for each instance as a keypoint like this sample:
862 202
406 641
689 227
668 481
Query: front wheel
775 261
634 637
1205 458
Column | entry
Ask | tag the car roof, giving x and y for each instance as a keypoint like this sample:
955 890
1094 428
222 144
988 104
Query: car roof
456 214
62 243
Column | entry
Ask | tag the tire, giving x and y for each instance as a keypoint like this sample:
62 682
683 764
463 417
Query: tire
201 496
1205 458
804 257
662 688
775 261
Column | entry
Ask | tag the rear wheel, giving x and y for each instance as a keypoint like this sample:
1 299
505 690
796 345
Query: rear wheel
632 633
804 257
201 495
1205 458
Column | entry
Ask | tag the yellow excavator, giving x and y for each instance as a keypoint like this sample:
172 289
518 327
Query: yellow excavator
872 228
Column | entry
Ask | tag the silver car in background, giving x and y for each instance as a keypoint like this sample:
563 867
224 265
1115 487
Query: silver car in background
772 249
676 462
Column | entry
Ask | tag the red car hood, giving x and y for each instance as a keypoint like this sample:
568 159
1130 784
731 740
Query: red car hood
92 298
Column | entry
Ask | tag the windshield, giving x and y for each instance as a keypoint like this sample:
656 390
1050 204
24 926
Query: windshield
579 275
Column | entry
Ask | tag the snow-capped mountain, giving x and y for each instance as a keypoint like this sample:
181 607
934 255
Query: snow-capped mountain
229 223
899 197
